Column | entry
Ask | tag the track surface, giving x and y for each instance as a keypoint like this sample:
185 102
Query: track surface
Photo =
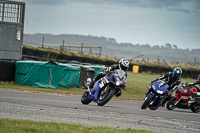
12 103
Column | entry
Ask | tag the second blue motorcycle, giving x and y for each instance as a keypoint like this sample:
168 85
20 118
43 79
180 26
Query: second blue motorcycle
155 95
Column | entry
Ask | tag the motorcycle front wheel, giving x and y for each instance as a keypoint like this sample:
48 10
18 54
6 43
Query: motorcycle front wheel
195 109
84 98
171 103
147 102
105 97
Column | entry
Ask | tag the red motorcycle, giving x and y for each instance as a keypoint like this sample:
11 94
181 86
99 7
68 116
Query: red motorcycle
186 97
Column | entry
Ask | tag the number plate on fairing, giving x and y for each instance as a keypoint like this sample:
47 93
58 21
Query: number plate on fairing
103 82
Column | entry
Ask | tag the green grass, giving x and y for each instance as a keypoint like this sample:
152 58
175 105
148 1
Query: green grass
136 87
28 126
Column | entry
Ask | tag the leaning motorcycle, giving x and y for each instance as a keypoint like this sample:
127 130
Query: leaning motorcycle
156 92
186 97
105 88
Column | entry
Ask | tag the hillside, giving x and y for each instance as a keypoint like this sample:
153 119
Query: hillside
168 52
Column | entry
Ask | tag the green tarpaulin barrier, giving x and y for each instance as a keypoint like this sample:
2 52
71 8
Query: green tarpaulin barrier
50 74
46 74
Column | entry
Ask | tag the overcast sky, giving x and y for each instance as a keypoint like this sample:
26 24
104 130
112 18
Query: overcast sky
154 22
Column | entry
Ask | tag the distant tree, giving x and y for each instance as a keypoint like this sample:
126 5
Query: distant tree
127 44
195 51
187 49
104 38
168 45
162 47
147 45
175 46
138 45
112 40
156 47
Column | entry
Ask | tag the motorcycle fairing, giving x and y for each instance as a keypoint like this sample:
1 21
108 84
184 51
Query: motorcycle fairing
93 95
163 87
177 97
182 89
156 91
119 76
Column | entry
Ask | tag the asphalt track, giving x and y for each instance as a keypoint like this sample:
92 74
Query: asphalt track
73 102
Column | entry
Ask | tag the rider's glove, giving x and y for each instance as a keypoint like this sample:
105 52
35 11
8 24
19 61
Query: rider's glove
185 84
153 81
107 68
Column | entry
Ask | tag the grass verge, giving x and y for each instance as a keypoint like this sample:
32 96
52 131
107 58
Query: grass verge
28 126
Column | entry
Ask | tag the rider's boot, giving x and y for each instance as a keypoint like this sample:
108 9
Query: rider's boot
90 86
161 102
164 102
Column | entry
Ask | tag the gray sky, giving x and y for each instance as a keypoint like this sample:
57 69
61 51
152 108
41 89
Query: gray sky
154 22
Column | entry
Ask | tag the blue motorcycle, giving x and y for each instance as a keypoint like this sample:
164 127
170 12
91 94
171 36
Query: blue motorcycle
155 95
105 88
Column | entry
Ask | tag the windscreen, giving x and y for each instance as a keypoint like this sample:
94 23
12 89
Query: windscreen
121 74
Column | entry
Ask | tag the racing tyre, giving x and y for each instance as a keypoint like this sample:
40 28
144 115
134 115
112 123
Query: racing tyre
195 109
84 98
147 102
105 97
171 103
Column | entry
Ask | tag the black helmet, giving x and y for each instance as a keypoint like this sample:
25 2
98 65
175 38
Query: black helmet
177 72
124 64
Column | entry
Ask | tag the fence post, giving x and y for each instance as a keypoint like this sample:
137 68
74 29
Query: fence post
81 48
63 44
90 53
42 42
195 61
179 60
100 51
70 48
158 60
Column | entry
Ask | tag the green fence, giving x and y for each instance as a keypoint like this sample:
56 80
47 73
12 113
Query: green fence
49 74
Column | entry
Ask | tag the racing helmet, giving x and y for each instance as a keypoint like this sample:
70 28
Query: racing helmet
177 72
198 78
124 64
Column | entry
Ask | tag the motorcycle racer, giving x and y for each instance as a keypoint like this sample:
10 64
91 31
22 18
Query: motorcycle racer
194 83
123 65
172 79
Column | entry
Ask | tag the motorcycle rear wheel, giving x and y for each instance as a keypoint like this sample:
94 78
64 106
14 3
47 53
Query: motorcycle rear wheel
102 100
170 103
147 102
84 98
